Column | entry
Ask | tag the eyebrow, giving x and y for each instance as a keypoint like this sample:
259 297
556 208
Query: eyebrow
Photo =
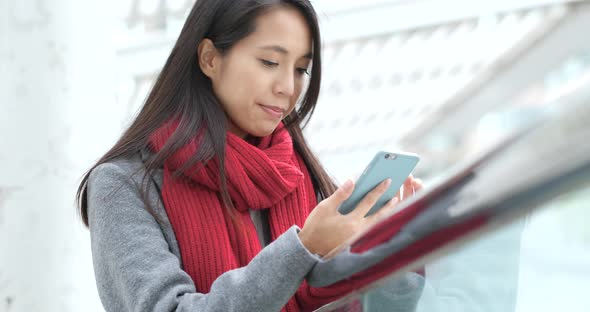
278 48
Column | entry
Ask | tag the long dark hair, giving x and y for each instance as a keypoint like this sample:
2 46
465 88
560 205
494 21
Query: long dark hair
183 92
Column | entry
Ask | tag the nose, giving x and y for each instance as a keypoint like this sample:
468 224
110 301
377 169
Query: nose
285 84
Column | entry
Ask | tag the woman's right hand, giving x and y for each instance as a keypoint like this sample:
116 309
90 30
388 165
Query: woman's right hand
325 228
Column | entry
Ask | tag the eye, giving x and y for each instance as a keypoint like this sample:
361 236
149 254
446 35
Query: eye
303 71
268 63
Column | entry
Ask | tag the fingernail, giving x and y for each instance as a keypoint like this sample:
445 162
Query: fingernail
347 185
387 182
395 200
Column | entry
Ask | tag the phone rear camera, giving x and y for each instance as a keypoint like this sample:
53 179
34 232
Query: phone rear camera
390 156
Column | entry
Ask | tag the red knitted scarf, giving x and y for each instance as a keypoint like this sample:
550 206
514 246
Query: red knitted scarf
269 176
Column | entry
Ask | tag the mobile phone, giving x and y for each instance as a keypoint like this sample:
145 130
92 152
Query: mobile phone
395 166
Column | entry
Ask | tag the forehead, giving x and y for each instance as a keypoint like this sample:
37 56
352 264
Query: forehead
282 26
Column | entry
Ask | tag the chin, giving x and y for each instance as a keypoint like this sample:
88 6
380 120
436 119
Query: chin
263 130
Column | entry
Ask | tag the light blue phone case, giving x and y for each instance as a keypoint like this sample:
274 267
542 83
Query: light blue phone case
396 166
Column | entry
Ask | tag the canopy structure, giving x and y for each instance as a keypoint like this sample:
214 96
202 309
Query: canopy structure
423 85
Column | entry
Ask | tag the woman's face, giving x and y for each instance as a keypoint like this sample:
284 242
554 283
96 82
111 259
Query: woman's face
259 80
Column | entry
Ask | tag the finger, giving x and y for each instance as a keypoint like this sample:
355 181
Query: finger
385 211
341 194
370 199
407 188
418 184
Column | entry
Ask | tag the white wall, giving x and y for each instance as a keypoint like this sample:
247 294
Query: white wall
58 113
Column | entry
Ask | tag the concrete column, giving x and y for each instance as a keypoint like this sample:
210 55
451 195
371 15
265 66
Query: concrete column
58 113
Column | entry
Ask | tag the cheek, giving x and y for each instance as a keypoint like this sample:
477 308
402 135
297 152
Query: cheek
233 90
240 84
298 90
299 87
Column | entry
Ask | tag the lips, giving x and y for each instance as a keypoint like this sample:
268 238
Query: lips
274 111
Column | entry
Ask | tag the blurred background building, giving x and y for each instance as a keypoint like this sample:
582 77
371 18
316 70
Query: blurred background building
441 78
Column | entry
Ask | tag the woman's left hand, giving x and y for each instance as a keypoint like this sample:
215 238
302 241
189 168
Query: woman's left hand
409 188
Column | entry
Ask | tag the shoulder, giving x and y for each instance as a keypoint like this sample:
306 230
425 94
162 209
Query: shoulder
118 181
119 199
120 190
118 170
124 169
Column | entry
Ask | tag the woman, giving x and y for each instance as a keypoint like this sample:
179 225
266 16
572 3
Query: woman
215 167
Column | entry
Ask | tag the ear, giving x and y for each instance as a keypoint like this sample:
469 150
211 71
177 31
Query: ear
208 57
